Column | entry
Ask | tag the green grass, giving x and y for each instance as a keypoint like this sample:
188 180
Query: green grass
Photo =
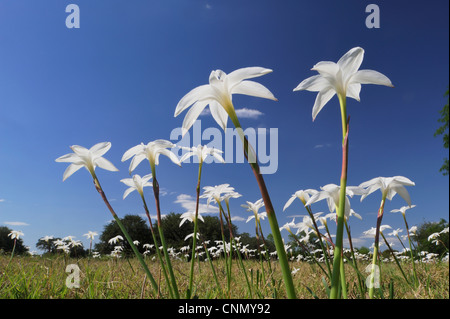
45 278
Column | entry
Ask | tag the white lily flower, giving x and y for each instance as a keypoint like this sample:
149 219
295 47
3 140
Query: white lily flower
151 152
136 183
90 235
341 78
115 240
15 234
257 216
202 152
303 195
88 158
215 192
218 95
389 186
254 207
47 238
402 209
190 216
331 192
289 226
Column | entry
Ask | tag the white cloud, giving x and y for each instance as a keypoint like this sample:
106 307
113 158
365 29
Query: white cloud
16 224
2 200
189 203
248 113
238 219
241 113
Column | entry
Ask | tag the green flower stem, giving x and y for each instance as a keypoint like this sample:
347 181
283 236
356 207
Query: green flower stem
376 244
341 211
219 288
194 239
158 253
124 231
355 264
416 281
225 249
325 254
161 234
271 216
395 258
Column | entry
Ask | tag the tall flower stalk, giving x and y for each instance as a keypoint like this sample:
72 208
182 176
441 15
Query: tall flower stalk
389 186
90 159
218 95
138 183
151 152
344 80
201 152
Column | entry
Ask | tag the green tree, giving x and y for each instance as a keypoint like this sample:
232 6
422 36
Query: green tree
6 243
136 226
426 229
443 130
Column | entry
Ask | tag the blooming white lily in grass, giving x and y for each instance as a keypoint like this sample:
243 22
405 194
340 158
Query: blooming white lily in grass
342 78
254 207
87 158
389 186
136 183
303 195
90 235
15 234
372 231
115 240
202 152
218 95
331 192
47 238
190 216
151 152
402 209
215 192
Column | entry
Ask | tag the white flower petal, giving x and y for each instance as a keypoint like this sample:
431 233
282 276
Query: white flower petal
322 98
219 114
128 191
105 164
137 159
253 89
72 168
314 83
246 73
199 93
132 152
351 61
353 91
100 149
370 77
70 158
192 115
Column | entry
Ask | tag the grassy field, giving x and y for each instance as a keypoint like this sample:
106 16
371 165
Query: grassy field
45 278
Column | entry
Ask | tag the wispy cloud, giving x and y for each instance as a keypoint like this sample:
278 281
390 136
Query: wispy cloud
16 224
238 219
244 113
2 200
321 146
189 203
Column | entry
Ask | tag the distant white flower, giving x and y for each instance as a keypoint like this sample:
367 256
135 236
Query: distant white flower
433 236
15 234
389 186
216 192
115 239
372 231
87 158
136 183
151 152
190 216
202 152
403 209
90 235
303 195
47 238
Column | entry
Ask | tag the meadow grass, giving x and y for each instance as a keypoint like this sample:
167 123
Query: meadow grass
45 278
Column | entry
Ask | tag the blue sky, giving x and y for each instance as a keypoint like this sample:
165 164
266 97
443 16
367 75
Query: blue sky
120 75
